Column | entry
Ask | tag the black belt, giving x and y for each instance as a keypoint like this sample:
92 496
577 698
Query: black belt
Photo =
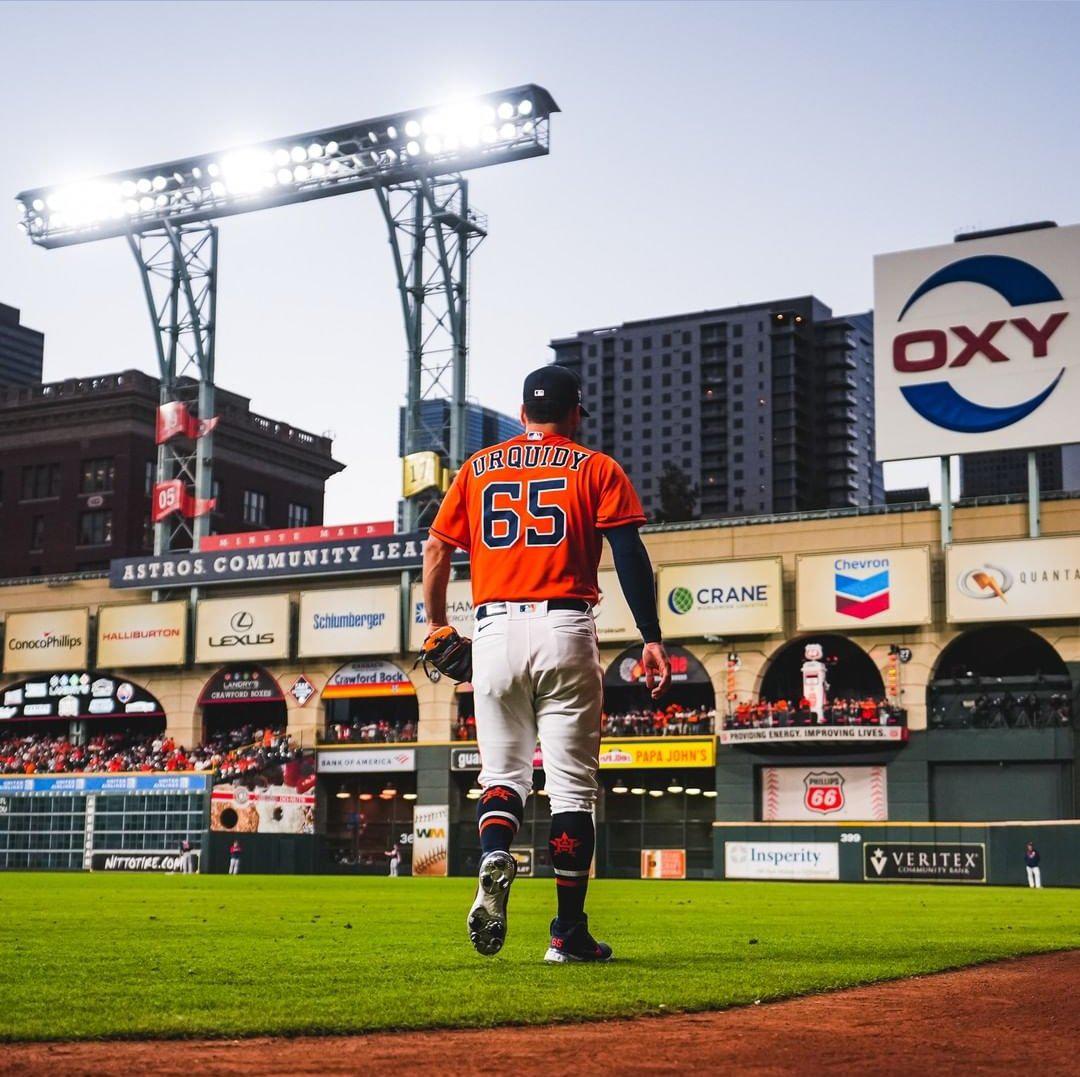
496 609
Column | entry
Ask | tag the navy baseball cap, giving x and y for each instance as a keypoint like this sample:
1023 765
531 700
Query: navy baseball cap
551 392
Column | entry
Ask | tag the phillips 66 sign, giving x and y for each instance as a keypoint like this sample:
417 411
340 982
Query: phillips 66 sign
977 345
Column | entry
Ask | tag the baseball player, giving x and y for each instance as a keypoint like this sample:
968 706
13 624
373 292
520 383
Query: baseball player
531 512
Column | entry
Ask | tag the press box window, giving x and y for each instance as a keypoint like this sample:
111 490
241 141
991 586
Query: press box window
97 476
95 528
254 507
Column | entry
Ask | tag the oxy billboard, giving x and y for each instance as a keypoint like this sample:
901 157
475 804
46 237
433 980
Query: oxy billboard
862 589
46 639
724 598
146 634
249 628
1006 581
977 345
355 620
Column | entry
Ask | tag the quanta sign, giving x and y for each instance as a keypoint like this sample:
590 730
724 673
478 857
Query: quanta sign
976 344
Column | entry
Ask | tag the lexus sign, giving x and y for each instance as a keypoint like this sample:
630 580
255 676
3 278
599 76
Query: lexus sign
977 345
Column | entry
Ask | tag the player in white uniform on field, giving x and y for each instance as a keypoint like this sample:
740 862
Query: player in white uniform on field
531 513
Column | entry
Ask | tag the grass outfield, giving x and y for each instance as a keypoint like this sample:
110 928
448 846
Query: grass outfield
129 955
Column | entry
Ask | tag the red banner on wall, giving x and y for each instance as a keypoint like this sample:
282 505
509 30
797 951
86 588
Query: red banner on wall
172 496
174 419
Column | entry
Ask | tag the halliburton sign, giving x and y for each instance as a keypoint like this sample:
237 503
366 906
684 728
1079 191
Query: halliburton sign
148 634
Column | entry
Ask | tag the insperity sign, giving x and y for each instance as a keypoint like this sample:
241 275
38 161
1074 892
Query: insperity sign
324 558
977 345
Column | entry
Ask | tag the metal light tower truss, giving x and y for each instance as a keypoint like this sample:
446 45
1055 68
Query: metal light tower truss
413 160
433 232
178 264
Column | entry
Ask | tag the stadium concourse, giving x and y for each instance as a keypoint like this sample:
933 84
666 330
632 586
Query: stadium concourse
830 668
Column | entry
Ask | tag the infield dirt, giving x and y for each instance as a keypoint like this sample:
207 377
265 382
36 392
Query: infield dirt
1014 1016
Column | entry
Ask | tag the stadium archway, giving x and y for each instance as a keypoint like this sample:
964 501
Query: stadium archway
851 671
626 698
370 700
1001 676
236 697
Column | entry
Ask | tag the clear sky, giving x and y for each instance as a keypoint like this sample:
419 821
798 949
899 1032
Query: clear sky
707 154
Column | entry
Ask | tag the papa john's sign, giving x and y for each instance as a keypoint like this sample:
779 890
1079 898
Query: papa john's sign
977 345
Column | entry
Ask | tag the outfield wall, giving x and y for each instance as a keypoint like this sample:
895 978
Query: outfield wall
951 853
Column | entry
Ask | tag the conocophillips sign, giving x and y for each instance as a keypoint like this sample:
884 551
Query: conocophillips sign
725 598
977 345
45 639
1006 581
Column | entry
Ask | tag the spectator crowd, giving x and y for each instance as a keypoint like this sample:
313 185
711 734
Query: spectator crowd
382 731
674 720
784 712
231 754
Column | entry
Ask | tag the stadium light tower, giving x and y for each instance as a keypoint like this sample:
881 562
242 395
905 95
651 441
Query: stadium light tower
412 160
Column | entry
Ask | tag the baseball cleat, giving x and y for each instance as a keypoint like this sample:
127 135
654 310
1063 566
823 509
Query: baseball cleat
487 917
575 944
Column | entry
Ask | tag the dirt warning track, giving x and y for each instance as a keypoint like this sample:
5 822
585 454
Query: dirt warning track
1009 1017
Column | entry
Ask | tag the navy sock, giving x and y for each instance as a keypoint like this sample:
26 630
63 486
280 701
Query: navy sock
499 812
573 838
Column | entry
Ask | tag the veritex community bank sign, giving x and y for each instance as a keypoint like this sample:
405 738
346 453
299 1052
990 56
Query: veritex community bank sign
314 559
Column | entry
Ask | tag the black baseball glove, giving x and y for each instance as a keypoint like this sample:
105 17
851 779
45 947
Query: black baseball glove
446 653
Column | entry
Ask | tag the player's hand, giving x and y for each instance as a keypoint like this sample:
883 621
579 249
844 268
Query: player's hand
654 661
433 626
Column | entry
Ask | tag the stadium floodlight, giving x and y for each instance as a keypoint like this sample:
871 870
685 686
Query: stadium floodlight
491 129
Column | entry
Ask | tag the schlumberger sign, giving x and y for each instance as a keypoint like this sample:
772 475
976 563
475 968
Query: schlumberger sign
977 345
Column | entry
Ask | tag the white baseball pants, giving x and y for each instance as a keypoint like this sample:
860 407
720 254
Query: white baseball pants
536 673
1034 877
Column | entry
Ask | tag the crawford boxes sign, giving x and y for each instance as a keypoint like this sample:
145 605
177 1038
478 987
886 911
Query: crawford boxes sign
324 558
726 598
781 860
252 628
147 634
923 862
1007 581
45 639
359 620
867 588
977 345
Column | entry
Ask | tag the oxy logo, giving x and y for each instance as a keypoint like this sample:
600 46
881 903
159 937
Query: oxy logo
987 581
916 351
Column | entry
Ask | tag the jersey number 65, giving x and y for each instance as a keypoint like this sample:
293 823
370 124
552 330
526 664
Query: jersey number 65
503 511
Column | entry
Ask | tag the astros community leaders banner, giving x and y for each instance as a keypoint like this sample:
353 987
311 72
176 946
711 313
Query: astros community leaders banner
724 598
46 639
248 628
977 345
865 588
147 634
1005 581
358 620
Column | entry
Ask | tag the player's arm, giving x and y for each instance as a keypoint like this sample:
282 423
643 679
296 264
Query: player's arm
634 569
436 577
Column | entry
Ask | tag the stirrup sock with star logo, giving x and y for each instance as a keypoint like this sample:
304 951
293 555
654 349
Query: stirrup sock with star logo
573 838
499 812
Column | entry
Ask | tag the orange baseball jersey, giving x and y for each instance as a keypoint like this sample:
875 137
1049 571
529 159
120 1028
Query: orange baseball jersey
530 512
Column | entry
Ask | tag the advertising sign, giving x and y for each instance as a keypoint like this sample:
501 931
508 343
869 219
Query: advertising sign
464 759
273 809
663 863
892 734
357 620
459 611
661 752
365 760
46 785
614 621
865 589
807 793
724 598
244 684
251 628
323 558
147 634
924 862
141 861
431 829
46 639
76 695
368 677
1005 581
977 345
782 860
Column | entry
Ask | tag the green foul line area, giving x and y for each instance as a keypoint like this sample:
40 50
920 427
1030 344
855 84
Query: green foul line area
85 956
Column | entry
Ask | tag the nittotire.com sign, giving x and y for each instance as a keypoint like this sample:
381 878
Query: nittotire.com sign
135 861
924 862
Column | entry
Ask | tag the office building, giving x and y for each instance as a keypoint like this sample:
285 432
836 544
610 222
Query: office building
986 474
21 350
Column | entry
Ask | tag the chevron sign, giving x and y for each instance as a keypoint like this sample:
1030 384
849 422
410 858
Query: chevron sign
862 587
